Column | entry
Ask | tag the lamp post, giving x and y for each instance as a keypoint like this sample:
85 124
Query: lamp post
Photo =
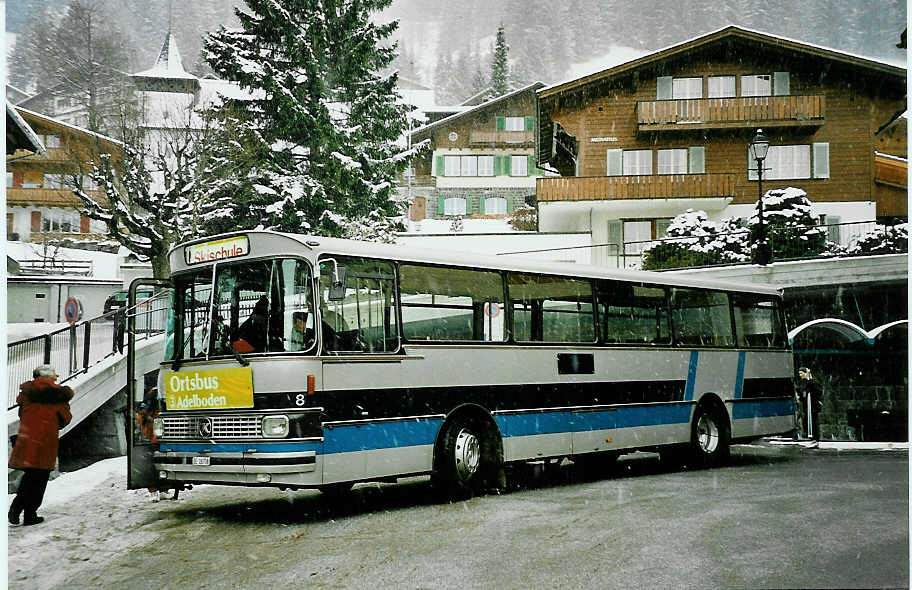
759 146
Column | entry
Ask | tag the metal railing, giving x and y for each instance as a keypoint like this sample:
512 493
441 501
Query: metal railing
76 348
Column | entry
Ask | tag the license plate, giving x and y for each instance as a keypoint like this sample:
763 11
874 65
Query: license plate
201 460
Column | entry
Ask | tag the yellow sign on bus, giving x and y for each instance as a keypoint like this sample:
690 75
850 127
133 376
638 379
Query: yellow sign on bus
217 250
215 389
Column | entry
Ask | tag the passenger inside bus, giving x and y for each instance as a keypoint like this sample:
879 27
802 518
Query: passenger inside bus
302 337
251 335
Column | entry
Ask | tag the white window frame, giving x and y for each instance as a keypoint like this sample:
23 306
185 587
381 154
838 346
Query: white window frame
636 163
514 123
519 165
684 88
672 161
495 205
753 85
485 165
783 162
451 165
468 165
454 206
51 141
721 87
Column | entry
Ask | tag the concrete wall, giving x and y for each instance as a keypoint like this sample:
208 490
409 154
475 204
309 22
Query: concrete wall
38 300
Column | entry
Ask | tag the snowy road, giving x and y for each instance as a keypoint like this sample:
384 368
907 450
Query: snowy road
774 518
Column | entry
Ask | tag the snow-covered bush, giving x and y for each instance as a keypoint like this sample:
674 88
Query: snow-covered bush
790 229
694 240
883 239
524 218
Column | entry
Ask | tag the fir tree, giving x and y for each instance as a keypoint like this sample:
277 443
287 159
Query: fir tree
500 69
324 120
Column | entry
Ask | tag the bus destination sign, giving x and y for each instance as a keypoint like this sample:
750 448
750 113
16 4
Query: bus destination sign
217 250
213 389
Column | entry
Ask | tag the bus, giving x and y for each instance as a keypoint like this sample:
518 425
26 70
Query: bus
298 361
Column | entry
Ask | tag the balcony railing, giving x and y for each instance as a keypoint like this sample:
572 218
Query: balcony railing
502 137
665 186
721 113
49 197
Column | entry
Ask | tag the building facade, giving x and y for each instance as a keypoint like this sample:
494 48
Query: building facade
39 196
478 162
639 143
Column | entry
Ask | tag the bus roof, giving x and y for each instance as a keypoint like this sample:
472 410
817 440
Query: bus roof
271 243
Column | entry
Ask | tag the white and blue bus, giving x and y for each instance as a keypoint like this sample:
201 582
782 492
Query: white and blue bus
308 362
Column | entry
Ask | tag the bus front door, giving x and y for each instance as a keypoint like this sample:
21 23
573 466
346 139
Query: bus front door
148 321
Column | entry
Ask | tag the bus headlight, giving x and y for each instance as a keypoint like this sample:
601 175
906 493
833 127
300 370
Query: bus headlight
275 426
158 427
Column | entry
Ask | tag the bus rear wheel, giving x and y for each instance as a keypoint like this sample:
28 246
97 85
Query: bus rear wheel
710 436
468 457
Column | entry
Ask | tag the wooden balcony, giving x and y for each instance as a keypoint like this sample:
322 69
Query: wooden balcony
48 197
666 186
728 113
503 137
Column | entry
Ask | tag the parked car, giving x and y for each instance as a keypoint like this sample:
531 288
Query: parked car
119 299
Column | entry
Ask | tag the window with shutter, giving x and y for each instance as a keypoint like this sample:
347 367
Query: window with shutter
637 162
663 88
452 165
485 165
696 156
720 86
781 83
821 160
682 88
439 167
672 161
613 162
756 85
519 165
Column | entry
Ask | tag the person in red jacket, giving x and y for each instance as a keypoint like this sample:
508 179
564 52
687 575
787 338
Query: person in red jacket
44 409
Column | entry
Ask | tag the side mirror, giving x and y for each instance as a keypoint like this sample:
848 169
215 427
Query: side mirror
337 288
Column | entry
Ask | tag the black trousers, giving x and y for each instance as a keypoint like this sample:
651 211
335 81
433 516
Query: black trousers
31 492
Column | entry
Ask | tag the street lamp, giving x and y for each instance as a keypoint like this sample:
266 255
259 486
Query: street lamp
759 146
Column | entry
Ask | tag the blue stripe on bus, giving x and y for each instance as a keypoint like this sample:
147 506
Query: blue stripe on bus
739 376
763 409
558 422
691 375
380 435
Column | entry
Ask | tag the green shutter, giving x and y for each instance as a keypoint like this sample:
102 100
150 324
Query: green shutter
533 171
481 209
440 207
663 88
500 123
530 123
507 163
509 204
696 160
440 165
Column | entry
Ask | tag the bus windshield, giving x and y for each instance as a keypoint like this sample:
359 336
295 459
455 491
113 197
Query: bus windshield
255 307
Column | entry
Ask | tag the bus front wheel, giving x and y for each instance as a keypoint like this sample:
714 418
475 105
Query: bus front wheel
468 457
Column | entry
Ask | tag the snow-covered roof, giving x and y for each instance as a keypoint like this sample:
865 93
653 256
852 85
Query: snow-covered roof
168 65
533 86
76 128
22 132
890 157
731 30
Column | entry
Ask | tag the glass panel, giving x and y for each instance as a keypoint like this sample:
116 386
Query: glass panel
519 166
721 86
637 162
188 323
454 206
673 161
687 88
365 320
758 322
451 304
701 318
468 166
495 205
515 124
632 313
485 165
451 166
551 309
757 85
637 235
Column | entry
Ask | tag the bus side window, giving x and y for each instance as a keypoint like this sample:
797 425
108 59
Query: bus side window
633 313
701 317
551 309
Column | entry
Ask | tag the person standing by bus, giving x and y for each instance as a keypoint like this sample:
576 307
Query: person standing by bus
44 409
811 401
